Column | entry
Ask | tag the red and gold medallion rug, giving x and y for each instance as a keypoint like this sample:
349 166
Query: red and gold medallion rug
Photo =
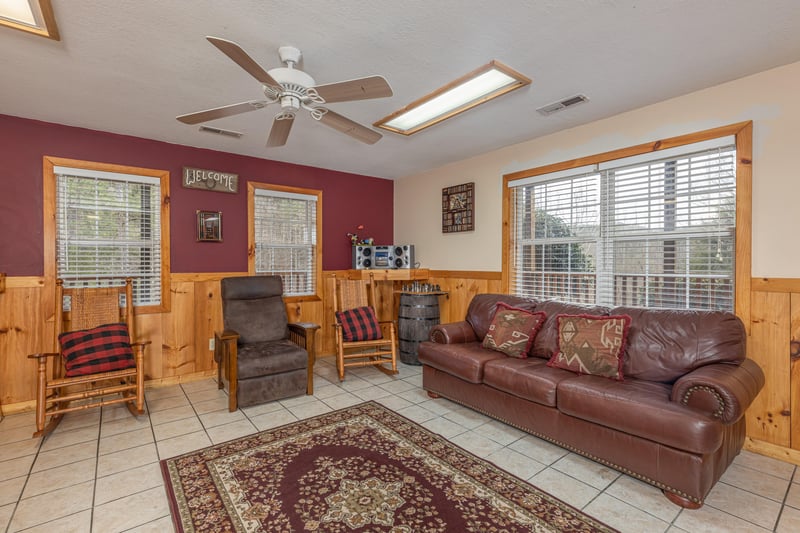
364 468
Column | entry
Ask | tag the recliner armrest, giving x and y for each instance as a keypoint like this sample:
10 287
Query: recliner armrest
302 334
723 390
224 340
453 333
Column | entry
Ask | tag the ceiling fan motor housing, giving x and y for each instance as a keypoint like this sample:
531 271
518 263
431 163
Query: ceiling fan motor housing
293 83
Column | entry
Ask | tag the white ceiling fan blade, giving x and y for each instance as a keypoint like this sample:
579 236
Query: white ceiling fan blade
359 89
240 57
219 112
348 127
281 127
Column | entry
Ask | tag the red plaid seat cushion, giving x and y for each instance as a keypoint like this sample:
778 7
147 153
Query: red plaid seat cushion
101 349
359 324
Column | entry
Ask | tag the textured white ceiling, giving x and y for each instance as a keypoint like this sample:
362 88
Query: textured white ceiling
131 66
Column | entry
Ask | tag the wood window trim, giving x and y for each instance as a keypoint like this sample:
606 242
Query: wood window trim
49 229
251 238
743 133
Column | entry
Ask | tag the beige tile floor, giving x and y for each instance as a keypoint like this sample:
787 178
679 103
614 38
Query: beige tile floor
99 470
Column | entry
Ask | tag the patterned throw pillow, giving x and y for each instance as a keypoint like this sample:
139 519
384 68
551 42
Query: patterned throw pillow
359 324
101 349
590 344
512 330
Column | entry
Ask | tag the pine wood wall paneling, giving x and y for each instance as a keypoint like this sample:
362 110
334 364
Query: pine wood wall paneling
207 320
794 358
150 328
22 332
178 346
768 344
461 286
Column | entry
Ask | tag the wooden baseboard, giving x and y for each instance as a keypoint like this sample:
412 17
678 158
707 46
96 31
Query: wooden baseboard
772 450
19 407
176 380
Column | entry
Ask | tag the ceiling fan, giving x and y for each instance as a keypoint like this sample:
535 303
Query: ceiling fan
293 89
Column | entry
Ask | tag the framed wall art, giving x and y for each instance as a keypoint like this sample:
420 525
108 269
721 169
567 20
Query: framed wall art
209 226
458 208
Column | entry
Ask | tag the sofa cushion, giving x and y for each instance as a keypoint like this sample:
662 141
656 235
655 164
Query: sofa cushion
640 408
665 344
512 330
262 358
546 342
530 379
482 308
464 361
589 344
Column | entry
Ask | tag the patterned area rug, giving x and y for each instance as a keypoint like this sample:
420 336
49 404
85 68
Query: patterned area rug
364 468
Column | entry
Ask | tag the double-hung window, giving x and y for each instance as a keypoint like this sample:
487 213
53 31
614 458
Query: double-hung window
657 229
105 223
285 234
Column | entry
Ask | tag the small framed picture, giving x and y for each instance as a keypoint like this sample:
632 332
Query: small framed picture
209 226
458 208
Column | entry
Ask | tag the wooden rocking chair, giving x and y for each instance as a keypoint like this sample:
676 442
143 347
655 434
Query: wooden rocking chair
104 367
380 353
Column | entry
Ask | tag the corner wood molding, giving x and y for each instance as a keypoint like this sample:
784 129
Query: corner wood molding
775 285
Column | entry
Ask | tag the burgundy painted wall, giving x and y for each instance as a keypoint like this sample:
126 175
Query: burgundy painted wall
24 142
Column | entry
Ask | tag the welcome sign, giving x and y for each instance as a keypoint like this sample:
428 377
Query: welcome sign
210 180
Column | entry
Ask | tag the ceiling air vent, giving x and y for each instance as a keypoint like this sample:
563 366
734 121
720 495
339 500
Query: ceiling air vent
218 131
563 104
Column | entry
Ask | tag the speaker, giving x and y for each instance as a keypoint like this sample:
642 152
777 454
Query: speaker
362 257
403 256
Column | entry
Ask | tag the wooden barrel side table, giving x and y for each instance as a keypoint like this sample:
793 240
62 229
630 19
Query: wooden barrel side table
418 313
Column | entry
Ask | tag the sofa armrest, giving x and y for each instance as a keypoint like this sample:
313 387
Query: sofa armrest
724 391
453 333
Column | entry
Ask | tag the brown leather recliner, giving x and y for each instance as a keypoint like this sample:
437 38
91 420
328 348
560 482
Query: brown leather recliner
260 356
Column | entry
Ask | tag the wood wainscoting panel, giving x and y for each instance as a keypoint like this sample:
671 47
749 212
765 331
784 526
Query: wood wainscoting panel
22 331
794 358
178 345
207 320
769 417
461 287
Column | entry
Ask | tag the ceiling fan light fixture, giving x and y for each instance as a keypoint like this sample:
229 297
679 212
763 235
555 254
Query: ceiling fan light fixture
479 86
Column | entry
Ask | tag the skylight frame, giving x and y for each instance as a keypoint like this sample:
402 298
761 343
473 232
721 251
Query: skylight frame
44 20
518 80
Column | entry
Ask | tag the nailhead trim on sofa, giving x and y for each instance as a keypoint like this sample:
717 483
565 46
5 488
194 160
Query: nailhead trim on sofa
713 392
579 452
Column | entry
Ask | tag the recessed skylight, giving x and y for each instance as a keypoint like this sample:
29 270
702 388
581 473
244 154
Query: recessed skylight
477 87
32 16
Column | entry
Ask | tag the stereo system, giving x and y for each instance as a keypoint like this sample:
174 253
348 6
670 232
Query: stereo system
383 257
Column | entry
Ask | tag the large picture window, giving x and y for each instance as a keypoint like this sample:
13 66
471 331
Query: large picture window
108 226
285 236
656 229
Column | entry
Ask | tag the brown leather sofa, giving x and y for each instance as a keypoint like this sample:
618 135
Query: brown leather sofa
676 421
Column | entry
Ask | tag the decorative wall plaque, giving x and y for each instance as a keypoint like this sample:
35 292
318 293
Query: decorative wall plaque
210 180
209 226
458 208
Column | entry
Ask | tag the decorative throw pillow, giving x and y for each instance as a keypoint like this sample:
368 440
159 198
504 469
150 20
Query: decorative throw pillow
101 349
512 330
590 344
359 324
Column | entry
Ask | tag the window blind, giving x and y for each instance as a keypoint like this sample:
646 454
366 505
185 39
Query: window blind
285 228
108 227
652 233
